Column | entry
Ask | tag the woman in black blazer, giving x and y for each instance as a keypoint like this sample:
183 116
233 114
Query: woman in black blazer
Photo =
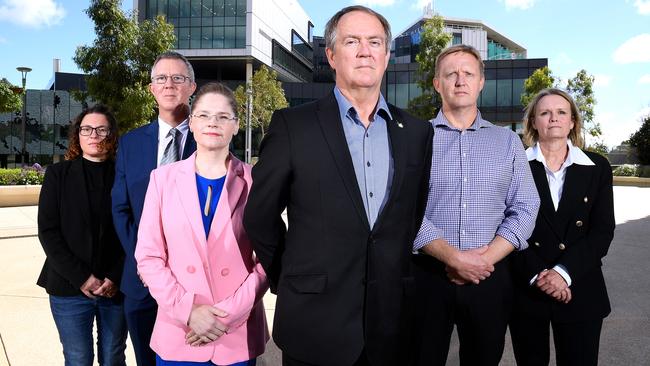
558 278
84 258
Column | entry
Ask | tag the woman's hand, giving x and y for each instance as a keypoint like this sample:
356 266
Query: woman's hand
90 286
205 325
107 289
554 285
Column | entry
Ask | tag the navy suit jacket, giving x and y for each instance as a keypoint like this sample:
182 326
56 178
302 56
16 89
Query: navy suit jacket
137 156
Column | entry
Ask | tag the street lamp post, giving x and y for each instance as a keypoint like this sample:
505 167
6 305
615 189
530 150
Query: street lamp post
23 73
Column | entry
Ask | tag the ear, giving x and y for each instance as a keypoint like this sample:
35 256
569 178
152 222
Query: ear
436 84
330 58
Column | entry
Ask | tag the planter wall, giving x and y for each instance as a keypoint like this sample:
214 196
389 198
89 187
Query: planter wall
11 196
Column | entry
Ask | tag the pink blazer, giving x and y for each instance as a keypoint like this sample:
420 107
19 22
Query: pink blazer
182 268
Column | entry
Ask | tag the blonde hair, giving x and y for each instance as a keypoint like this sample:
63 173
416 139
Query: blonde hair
460 48
531 136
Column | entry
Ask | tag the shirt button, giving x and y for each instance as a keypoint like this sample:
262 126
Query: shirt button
368 163
586 199
462 232
464 155
370 194
578 223
465 179
191 269
464 205
225 272
562 246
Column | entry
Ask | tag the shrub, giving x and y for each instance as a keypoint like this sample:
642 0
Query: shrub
626 170
22 176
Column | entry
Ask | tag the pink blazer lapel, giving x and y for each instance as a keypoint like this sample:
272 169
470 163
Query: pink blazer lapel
189 197
229 200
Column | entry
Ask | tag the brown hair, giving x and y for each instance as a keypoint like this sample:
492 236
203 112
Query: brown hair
109 143
332 24
460 48
216 88
531 136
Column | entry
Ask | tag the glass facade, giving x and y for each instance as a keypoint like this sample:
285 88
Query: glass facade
301 47
48 117
211 24
288 62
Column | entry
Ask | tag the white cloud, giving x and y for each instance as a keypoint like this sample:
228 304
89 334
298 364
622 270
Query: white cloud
602 80
420 4
32 13
645 79
642 114
375 3
635 49
519 4
642 6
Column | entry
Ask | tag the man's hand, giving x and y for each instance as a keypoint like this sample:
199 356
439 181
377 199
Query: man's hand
205 325
554 285
92 284
469 266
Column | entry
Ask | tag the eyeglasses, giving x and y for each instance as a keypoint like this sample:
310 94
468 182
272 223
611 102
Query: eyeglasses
220 119
162 79
100 131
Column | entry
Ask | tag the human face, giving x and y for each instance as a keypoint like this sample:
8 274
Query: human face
91 145
170 96
359 54
459 81
553 118
216 131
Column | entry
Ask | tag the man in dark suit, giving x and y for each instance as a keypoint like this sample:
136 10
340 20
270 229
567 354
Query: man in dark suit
140 151
352 173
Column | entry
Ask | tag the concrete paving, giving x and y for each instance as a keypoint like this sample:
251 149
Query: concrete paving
28 335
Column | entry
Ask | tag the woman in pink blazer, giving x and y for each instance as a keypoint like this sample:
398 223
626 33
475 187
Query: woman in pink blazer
193 252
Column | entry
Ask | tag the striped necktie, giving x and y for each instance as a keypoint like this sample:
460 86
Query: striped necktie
171 153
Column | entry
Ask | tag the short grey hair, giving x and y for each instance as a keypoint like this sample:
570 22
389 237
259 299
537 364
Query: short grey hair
332 24
171 55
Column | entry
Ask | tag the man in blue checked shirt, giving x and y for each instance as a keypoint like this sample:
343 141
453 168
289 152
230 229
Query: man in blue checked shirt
482 205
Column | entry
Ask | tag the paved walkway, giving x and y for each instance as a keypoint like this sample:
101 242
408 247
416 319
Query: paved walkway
28 335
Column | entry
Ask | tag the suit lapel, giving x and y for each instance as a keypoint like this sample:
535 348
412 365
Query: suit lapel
188 195
77 187
229 200
576 183
328 117
190 145
547 210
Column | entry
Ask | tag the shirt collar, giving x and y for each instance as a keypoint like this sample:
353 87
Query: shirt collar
164 127
346 109
479 122
575 155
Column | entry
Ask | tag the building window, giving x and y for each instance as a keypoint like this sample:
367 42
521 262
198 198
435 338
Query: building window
287 61
310 32
458 39
301 48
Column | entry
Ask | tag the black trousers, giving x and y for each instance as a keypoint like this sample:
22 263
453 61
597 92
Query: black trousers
576 343
480 313
288 361
140 318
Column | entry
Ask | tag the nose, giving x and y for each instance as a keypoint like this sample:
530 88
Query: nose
363 49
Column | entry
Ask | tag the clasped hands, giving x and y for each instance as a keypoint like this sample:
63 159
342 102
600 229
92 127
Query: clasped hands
94 287
205 325
553 284
469 266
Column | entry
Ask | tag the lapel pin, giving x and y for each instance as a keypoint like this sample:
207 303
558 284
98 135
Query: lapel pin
399 124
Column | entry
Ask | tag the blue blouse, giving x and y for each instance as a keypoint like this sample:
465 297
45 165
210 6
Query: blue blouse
213 188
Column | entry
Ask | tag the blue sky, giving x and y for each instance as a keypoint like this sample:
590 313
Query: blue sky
608 38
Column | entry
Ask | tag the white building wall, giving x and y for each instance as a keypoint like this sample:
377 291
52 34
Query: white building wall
477 39
273 19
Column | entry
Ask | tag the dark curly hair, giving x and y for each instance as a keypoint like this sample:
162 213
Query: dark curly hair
109 143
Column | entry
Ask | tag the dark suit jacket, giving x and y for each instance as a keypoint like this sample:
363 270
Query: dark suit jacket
137 156
64 229
577 236
341 285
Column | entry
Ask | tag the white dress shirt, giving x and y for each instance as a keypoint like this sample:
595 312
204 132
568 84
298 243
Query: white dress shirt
163 139
556 183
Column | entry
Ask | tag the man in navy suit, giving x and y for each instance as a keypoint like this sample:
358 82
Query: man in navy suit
164 140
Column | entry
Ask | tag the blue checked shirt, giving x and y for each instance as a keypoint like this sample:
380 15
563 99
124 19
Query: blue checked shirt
370 153
480 186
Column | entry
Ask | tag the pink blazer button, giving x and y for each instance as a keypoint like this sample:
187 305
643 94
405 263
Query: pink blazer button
225 272
191 269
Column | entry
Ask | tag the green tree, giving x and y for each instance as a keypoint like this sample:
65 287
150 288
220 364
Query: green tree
640 140
119 61
433 39
542 78
10 101
581 89
268 96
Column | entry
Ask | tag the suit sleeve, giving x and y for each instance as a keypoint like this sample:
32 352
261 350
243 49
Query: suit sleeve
123 219
586 254
240 304
59 255
151 255
269 197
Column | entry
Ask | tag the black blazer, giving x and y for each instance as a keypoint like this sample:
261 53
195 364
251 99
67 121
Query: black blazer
64 229
577 236
341 286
